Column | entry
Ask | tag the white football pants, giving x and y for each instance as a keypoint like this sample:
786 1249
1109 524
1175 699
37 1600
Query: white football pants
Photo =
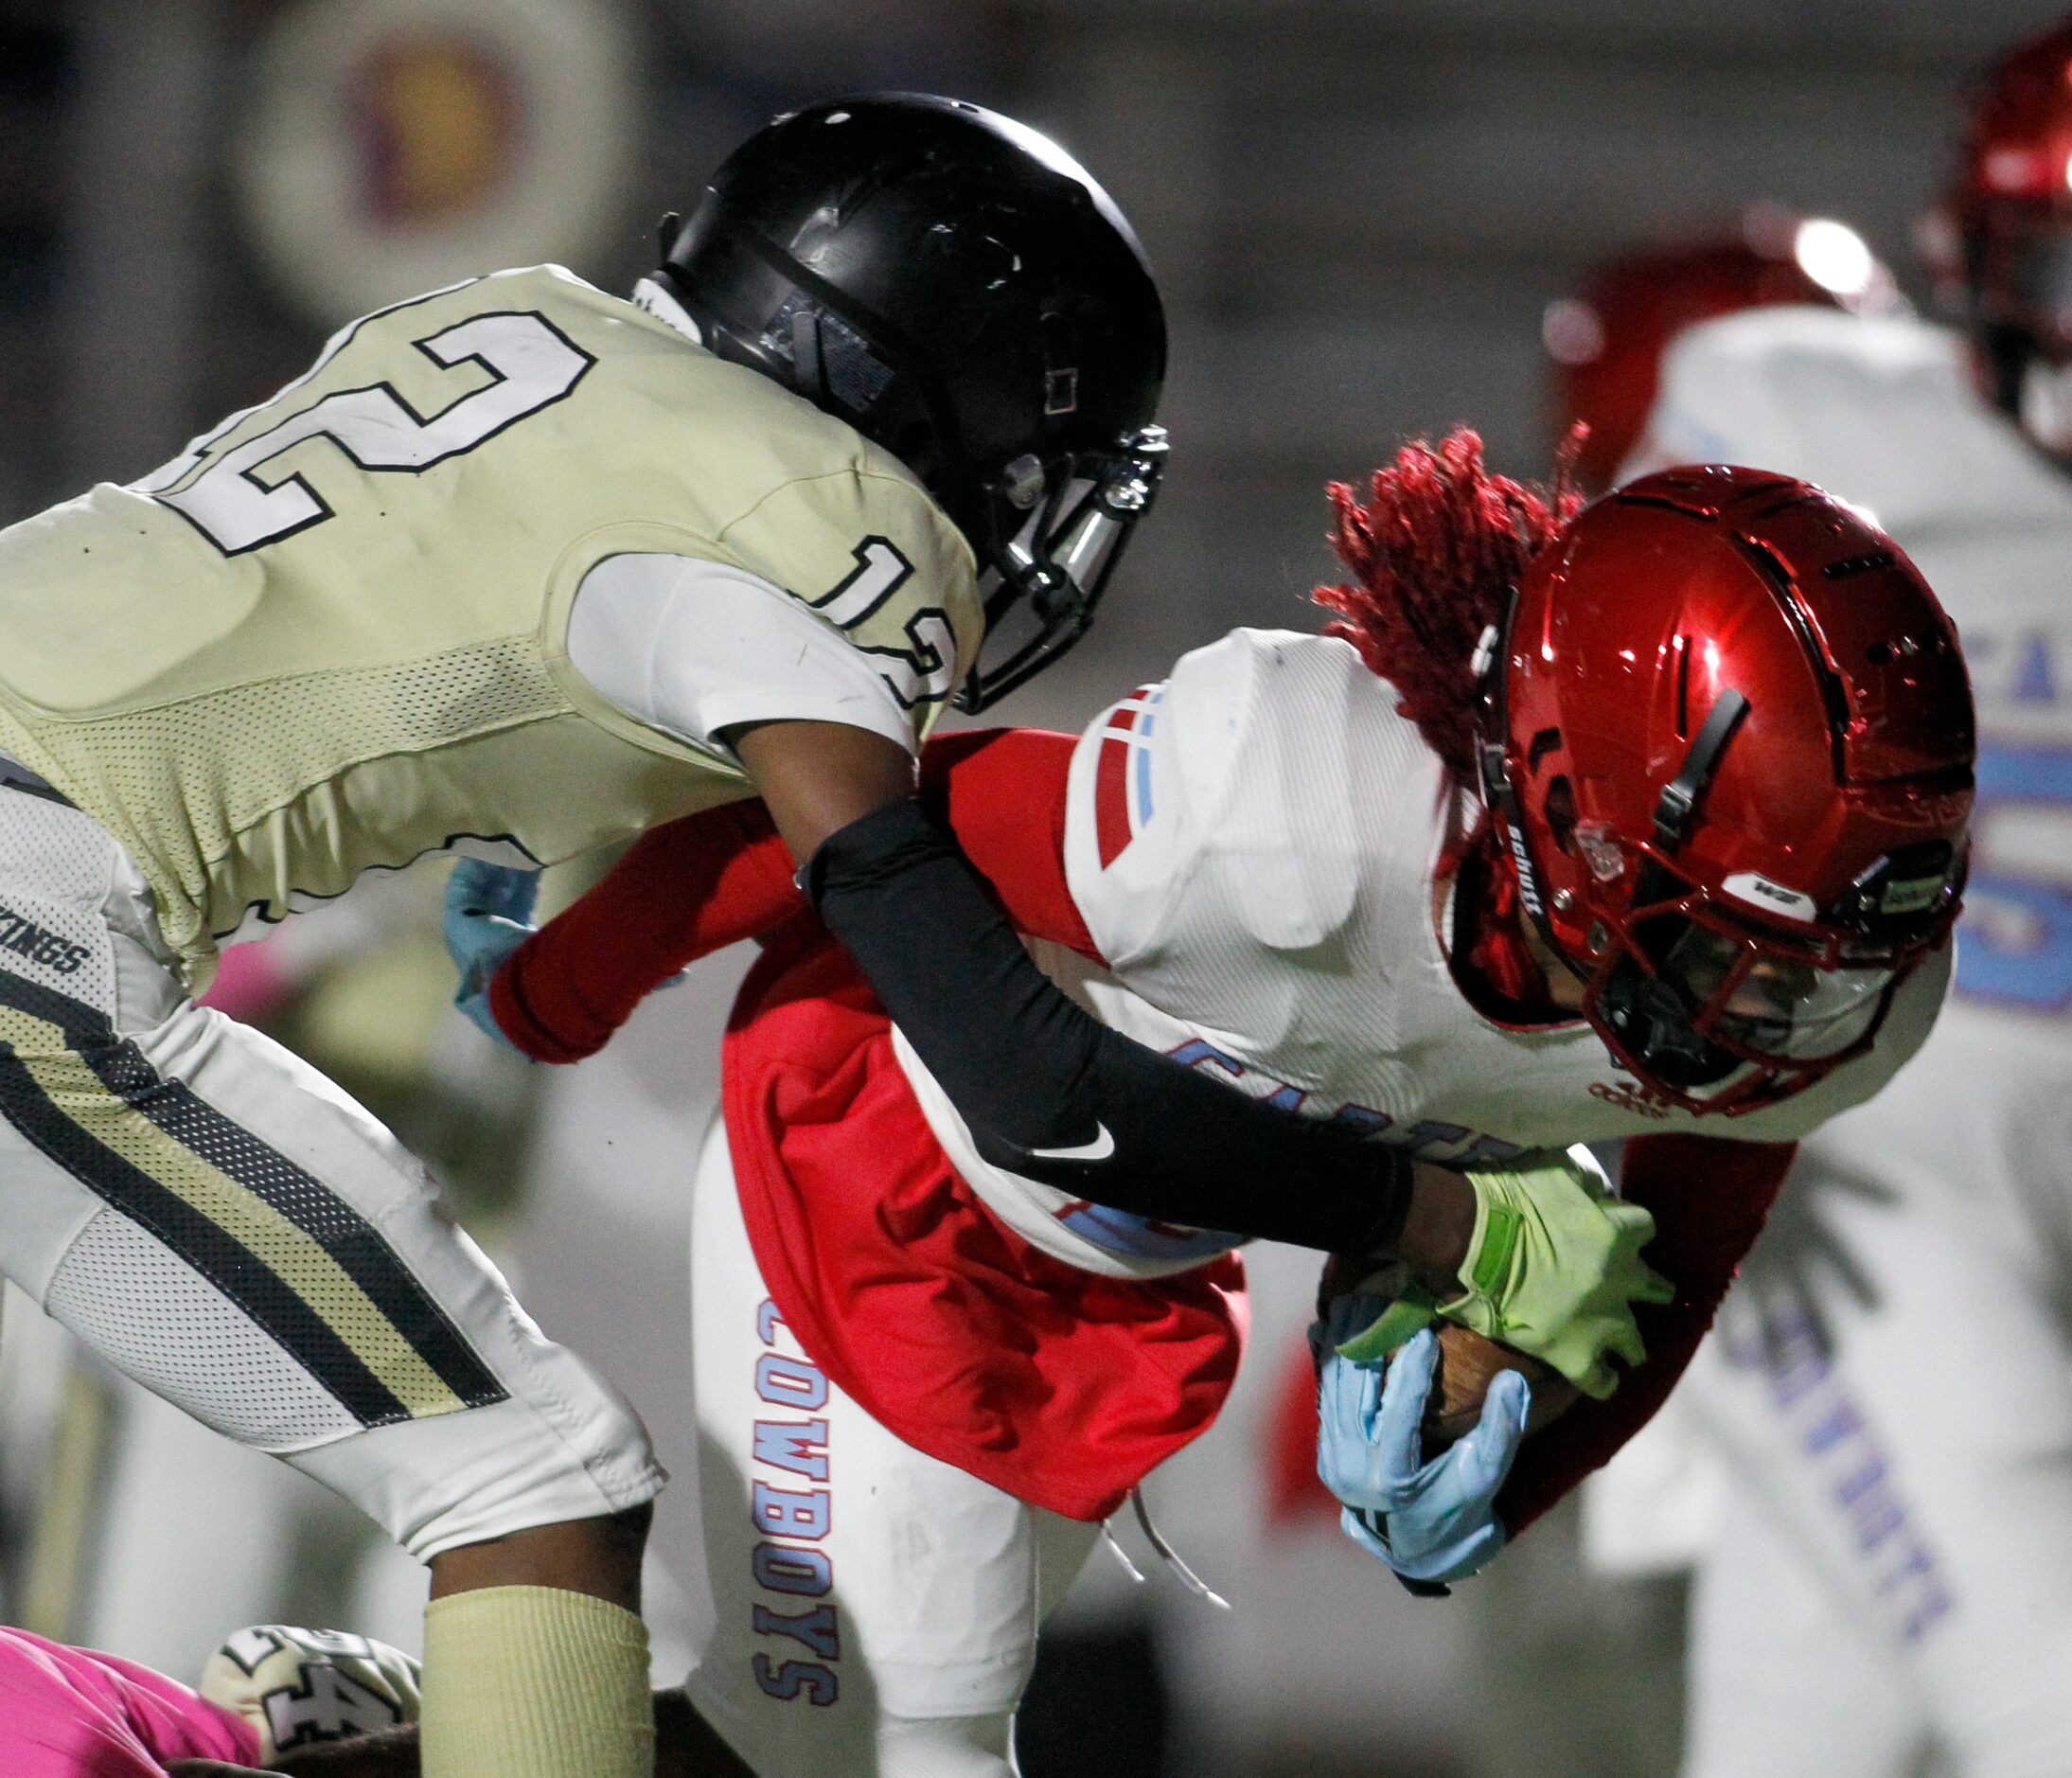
876 1608
223 1224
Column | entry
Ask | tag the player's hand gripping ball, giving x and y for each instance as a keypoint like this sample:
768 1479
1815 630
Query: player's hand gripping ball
1431 1516
298 1688
1552 1269
1468 1364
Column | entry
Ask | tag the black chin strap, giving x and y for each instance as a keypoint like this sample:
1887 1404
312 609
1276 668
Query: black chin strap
1679 799
808 375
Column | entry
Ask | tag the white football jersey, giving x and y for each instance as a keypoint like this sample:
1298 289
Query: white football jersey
1882 413
1254 845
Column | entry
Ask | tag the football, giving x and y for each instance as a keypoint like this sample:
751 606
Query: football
1468 1364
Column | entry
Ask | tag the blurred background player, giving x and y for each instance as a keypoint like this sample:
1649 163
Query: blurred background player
1607 340
1889 1579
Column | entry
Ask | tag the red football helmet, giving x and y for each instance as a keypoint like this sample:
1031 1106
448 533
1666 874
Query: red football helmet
1727 740
2000 244
1607 340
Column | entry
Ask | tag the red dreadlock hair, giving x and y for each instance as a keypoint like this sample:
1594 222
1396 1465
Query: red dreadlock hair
1436 552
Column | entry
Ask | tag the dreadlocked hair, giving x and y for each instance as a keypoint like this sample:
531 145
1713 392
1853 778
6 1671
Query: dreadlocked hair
1435 552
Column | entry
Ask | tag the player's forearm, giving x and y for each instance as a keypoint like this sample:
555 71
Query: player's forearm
1052 1094
1025 1066
1709 1199
693 886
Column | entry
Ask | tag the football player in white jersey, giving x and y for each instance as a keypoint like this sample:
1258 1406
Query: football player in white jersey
1663 848
1892 1580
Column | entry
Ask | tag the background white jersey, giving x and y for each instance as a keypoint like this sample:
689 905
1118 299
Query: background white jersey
1882 413
1887 1382
1254 844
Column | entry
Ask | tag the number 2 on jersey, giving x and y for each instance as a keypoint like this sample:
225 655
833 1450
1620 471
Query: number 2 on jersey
242 498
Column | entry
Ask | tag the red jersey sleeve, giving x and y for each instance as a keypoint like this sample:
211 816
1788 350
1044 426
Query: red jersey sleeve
700 884
1709 1199
684 891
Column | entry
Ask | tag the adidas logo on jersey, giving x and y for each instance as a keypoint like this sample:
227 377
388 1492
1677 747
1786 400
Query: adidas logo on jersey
1630 1096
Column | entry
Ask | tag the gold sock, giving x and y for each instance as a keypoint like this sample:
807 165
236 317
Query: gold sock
535 1682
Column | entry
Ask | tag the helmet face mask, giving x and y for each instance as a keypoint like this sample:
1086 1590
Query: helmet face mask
1726 746
1057 533
1725 1013
955 287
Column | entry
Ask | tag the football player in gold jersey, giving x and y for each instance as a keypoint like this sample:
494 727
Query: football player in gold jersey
523 566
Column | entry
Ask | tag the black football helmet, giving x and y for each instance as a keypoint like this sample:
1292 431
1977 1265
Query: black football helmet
959 289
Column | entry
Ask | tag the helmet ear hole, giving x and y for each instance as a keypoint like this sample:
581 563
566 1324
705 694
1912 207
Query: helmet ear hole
1560 810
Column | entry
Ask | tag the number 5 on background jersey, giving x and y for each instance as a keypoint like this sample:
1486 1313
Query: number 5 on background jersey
2016 944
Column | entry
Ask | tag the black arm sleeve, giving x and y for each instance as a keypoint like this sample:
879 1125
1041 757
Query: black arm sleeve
1035 1077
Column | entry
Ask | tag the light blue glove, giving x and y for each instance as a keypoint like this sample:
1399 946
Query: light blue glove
1430 1522
488 914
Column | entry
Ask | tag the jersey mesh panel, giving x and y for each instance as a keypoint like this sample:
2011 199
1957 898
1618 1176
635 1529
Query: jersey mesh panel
139 1308
53 869
157 762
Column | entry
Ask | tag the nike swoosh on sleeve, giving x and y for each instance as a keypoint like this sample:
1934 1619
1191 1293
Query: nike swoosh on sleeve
1099 1149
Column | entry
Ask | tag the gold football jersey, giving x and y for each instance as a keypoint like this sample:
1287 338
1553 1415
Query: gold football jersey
331 635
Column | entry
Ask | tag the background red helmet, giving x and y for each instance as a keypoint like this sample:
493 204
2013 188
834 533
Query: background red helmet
1607 341
1728 744
2000 244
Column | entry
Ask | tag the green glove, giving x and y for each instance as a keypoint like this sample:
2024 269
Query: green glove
1553 1269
